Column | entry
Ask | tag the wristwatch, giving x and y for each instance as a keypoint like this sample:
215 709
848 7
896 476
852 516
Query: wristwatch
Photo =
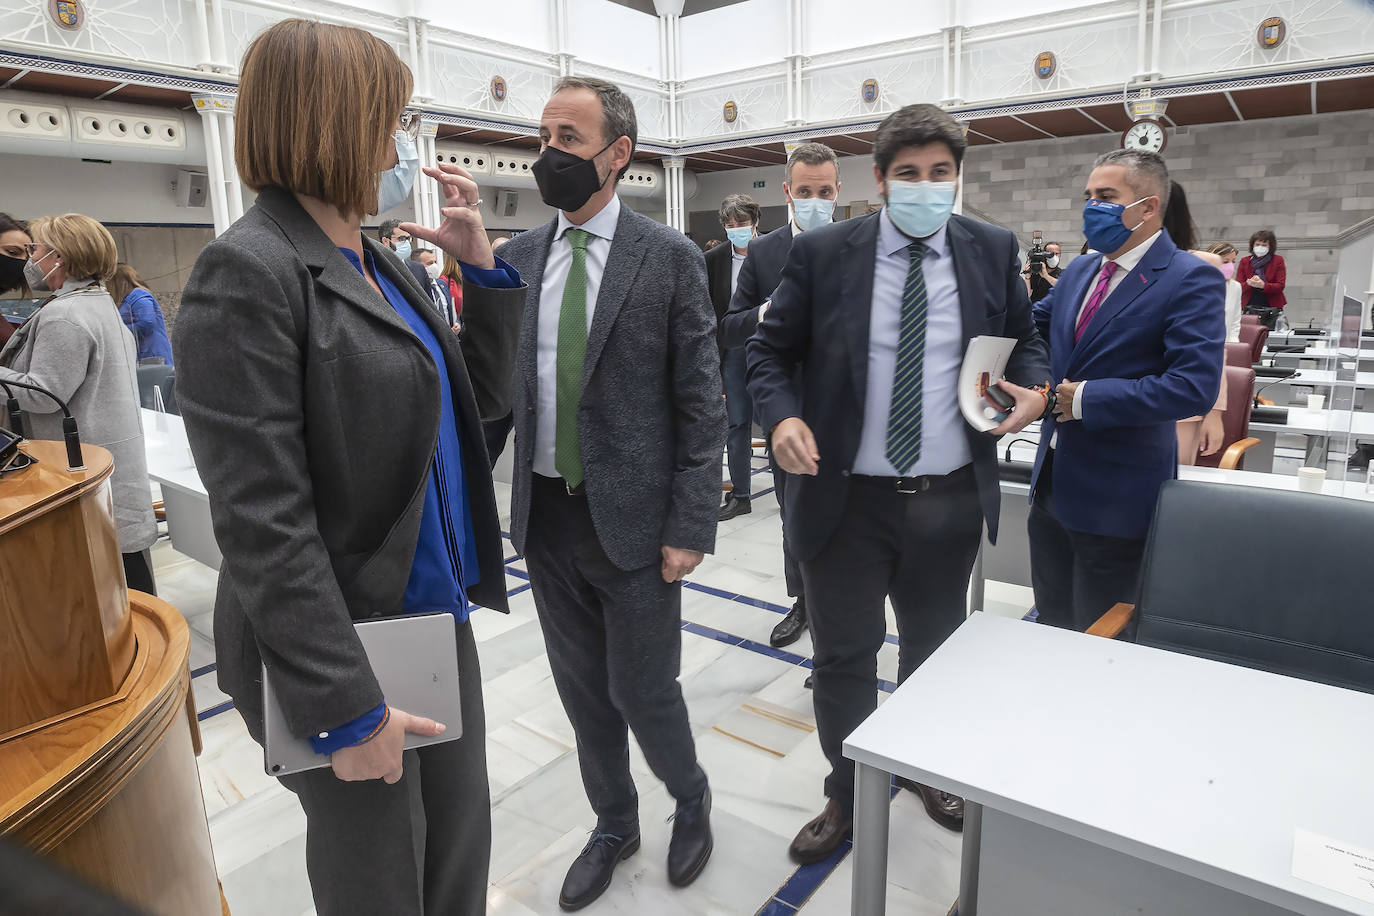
1051 399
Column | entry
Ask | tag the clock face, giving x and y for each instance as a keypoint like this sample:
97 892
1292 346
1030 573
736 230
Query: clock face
1144 135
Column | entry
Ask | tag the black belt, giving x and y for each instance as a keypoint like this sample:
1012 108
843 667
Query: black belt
911 486
561 485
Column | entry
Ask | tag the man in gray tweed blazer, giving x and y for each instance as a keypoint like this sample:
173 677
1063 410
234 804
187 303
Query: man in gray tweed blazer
619 429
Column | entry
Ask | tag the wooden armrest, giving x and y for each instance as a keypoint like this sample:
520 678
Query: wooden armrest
1231 457
1267 402
1110 624
160 511
191 715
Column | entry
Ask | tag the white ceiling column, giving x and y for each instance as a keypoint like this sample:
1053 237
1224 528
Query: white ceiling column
213 110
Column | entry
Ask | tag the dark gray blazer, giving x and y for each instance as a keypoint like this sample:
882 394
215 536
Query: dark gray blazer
759 275
313 411
651 417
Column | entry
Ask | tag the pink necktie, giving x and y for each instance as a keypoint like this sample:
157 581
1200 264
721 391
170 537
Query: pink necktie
1095 300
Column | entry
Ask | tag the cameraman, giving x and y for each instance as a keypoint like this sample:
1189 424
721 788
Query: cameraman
1042 271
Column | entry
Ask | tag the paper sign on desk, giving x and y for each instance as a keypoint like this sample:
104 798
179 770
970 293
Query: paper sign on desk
1334 865
984 362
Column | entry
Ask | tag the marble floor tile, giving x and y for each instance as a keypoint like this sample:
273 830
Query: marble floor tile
231 766
207 692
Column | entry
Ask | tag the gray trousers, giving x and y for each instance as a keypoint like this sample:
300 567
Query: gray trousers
614 641
420 846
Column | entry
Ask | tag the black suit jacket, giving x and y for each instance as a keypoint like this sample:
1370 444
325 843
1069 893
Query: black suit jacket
312 410
758 277
819 322
719 266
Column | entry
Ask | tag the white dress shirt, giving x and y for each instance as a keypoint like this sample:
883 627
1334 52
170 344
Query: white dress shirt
602 230
944 446
1124 265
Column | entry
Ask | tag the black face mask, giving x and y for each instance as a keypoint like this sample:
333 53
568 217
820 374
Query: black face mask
11 272
566 182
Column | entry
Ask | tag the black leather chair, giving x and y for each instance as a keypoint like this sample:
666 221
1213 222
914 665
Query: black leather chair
159 376
1204 593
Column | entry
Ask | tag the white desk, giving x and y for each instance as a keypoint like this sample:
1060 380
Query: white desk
183 495
1149 781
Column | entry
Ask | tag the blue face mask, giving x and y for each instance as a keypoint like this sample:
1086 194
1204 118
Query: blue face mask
810 212
920 208
403 249
740 237
397 181
1102 225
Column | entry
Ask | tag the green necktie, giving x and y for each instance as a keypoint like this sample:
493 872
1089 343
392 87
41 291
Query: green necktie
572 355
904 416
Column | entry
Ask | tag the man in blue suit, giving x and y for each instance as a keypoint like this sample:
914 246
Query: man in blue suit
890 487
1136 339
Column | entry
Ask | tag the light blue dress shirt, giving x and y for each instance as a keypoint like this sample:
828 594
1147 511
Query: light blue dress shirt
944 446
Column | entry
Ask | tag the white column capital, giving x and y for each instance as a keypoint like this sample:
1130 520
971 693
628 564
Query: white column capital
674 162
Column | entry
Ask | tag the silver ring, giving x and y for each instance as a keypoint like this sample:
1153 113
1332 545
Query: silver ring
476 204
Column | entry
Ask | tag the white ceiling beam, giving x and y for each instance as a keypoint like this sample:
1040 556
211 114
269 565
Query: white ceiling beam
111 90
1236 108
1033 127
16 78
1095 121
1314 96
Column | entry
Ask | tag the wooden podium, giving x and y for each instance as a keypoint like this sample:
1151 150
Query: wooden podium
98 734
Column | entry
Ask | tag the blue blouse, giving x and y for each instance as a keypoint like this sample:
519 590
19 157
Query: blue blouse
445 563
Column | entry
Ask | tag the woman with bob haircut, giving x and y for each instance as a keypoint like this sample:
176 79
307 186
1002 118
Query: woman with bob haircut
76 346
331 418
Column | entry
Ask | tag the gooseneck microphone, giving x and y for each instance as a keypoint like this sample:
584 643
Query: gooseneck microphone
1278 381
69 433
16 415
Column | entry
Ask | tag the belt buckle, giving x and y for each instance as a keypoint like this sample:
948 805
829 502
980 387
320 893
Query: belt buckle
910 486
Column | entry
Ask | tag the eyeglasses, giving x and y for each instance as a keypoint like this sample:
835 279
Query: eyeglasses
410 125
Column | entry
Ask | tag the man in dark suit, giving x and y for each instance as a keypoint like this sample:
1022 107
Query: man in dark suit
619 429
811 187
739 215
1136 339
891 485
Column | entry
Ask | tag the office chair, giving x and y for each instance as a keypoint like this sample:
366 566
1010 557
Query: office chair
1235 421
1202 593
1238 354
163 378
1255 335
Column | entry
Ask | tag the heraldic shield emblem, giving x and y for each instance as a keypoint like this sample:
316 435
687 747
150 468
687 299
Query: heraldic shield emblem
1272 32
731 112
498 88
870 91
68 14
1045 64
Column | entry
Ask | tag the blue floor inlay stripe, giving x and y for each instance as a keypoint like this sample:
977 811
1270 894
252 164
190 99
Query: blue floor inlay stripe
203 669
214 710
775 907
806 879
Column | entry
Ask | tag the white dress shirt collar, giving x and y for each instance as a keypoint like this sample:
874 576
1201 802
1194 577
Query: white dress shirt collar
1130 259
892 240
602 225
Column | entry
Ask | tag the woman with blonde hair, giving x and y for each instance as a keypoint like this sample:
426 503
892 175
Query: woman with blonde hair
76 347
333 424
141 314
1227 253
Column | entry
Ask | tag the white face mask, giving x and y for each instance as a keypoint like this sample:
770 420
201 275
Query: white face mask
433 270
1260 250
1053 262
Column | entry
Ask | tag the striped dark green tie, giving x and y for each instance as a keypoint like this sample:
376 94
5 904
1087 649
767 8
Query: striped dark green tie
908 381
572 355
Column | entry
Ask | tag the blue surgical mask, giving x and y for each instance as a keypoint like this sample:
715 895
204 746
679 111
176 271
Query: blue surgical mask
740 237
1102 225
810 212
920 208
397 181
403 249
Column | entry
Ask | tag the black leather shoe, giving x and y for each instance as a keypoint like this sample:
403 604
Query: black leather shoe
810 682
944 809
591 872
735 506
791 627
819 839
691 845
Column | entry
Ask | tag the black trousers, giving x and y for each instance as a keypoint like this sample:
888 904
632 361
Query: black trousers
1077 576
791 568
496 432
614 641
421 846
915 549
138 572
